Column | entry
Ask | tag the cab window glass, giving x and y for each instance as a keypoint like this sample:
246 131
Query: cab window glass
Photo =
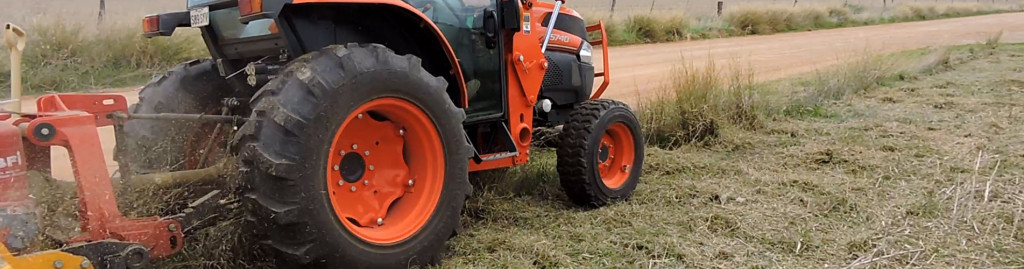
462 23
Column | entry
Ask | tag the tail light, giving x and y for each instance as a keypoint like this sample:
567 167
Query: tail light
151 24
250 7
273 28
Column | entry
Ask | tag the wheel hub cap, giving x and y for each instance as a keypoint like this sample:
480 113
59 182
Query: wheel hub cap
352 167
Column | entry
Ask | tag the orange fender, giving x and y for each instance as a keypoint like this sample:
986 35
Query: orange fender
456 70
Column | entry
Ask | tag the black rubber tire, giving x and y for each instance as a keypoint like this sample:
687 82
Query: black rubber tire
284 146
194 87
578 152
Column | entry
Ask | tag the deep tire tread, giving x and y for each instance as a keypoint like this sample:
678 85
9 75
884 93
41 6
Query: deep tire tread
575 167
283 110
191 88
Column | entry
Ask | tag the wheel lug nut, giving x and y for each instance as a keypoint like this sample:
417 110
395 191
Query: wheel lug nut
366 182
336 168
360 116
401 132
380 221
355 146
341 182
411 182
371 167
342 152
367 153
353 189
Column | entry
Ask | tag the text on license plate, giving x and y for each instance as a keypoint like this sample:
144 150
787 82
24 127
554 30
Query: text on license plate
200 17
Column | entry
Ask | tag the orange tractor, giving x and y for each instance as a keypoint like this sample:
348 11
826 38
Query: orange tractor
355 123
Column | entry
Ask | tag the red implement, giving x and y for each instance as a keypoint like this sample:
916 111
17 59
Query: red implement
70 121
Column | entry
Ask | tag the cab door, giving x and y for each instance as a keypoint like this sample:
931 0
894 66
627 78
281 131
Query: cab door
471 29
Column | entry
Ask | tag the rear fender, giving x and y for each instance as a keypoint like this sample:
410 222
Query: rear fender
392 23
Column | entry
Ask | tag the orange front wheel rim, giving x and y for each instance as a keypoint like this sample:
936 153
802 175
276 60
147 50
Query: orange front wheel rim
385 170
615 155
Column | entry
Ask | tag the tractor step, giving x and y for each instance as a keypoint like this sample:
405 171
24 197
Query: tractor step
500 156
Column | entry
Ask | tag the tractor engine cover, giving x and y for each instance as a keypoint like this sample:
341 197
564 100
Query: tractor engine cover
18 226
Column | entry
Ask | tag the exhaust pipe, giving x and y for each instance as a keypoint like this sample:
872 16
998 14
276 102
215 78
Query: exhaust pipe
15 38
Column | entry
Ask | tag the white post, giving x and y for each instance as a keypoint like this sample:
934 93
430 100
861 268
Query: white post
15 38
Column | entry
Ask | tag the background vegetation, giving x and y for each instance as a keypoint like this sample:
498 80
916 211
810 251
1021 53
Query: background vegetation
771 19
78 54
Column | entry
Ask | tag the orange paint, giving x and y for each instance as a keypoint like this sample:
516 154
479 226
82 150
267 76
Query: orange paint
374 198
603 43
562 41
615 156
74 119
249 7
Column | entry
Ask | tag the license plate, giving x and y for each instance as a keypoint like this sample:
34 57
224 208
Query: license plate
200 17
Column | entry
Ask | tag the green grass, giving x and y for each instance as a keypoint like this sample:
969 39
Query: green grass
697 102
68 58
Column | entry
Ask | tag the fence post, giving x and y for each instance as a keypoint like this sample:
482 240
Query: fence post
612 14
721 4
103 11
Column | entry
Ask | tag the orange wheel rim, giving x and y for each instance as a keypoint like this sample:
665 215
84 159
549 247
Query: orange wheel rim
615 155
385 170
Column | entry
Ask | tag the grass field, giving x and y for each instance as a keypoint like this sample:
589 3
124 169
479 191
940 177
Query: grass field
916 164
911 159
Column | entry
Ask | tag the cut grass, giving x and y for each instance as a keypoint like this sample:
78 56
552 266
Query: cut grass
919 172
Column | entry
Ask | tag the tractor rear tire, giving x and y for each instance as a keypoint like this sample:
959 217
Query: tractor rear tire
194 87
303 177
601 153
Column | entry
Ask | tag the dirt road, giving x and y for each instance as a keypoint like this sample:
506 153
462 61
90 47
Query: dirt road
637 70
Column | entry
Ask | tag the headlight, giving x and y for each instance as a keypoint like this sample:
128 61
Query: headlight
587 53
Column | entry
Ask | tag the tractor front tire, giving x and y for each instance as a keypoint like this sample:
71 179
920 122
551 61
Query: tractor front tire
354 157
600 153
147 146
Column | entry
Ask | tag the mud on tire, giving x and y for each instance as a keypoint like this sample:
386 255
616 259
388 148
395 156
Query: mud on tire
285 146
600 153
194 87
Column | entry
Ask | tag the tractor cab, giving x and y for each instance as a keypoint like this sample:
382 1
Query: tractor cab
478 32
